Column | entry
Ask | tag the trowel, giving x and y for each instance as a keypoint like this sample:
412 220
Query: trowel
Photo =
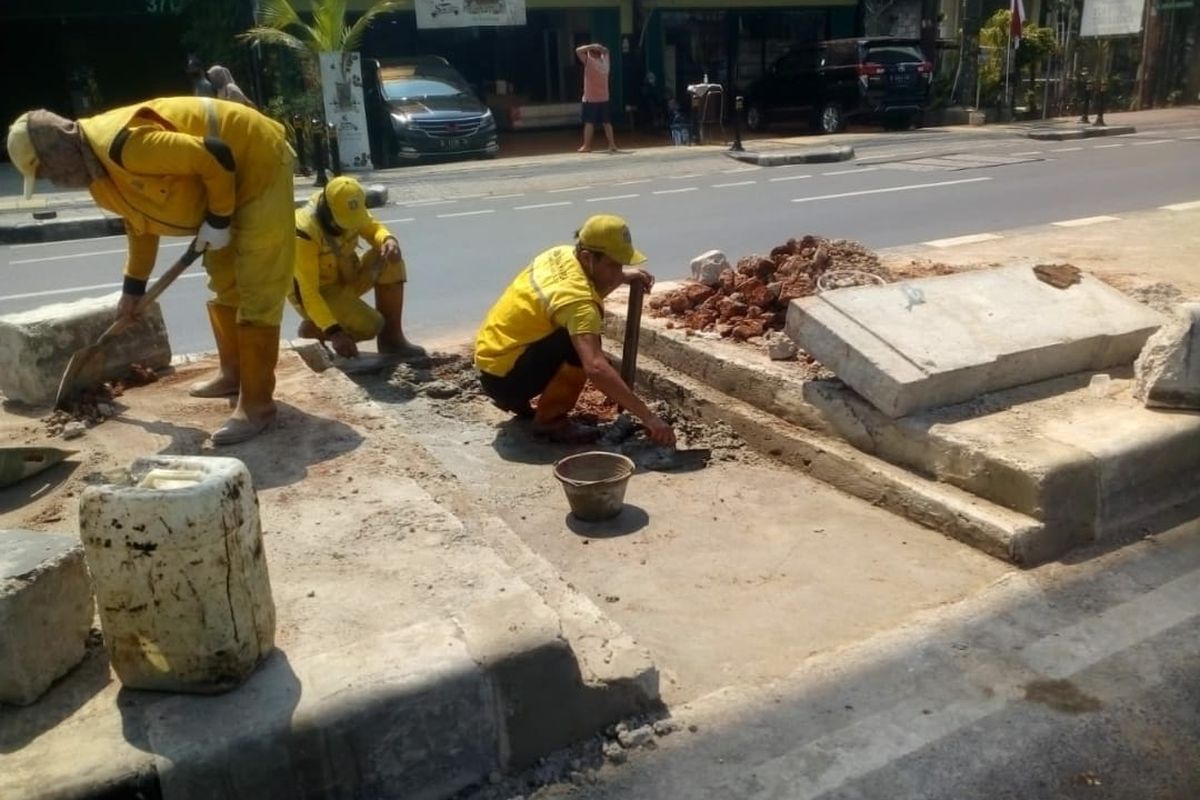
19 463
320 357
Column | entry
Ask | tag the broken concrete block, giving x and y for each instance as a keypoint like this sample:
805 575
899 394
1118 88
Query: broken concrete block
1168 370
37 344
46 612
780 347
938 341
706 267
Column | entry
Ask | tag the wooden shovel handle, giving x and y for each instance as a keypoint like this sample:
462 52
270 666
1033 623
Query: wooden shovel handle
166 279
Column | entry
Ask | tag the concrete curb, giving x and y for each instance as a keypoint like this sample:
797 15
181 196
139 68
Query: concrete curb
90 225
996 531
814 155
1080 132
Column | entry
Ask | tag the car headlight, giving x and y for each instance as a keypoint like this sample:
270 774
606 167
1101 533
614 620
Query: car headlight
487 121
400 122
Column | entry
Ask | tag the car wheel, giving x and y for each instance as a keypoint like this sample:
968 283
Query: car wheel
755 119
831 119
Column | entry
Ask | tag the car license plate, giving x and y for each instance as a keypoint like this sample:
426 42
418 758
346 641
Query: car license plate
458 144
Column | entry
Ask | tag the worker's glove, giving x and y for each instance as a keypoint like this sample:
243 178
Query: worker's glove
211 237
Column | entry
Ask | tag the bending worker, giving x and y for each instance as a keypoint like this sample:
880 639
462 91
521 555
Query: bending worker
330 277
189 166
542 337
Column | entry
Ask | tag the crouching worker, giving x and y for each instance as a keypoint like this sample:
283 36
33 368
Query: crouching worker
542 337
189 166
330 276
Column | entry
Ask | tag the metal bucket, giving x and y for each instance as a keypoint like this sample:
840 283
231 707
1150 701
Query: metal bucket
594 483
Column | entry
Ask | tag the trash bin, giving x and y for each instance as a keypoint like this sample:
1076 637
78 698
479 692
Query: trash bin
708 107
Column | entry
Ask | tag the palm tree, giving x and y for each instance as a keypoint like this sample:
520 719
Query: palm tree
280 24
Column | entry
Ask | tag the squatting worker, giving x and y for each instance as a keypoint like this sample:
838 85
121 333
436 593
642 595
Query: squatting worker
542 337
189 166
330 276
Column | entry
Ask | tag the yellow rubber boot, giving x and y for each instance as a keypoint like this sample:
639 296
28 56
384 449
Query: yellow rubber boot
225 382
560 396
259 346
389 301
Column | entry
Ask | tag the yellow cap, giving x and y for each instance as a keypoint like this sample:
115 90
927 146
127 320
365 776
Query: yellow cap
348 203
608 234
20 150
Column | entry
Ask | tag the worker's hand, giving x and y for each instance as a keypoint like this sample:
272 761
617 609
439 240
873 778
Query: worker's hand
659 431
635 275
127 308
210 238
390 249
344 345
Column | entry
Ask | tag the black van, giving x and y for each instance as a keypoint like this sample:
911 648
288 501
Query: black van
880 78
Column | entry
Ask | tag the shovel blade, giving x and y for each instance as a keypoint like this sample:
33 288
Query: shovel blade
85 369
19 463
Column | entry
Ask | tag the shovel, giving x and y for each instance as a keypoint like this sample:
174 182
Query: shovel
87 366
19 463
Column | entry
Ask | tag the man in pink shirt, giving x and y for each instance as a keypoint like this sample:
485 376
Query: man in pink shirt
596 66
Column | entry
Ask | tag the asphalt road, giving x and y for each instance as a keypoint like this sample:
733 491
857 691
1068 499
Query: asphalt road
901 189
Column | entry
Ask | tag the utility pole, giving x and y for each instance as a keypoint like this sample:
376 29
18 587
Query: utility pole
1147 75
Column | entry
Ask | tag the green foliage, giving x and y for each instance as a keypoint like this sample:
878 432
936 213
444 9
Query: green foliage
210 30
1037 43
280 25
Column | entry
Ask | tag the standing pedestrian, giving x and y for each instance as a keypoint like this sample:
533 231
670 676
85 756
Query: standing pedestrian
189 166
596 67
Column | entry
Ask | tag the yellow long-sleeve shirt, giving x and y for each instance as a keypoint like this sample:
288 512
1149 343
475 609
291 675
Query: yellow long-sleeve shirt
174 161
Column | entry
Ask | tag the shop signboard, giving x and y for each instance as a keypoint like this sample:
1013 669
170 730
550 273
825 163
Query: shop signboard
468 13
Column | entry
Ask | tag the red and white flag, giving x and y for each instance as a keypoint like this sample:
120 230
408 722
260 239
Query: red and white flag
1018 19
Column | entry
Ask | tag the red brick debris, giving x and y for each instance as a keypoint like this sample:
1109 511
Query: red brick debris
753 296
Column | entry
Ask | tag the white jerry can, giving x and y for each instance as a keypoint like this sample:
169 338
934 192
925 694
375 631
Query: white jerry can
180 576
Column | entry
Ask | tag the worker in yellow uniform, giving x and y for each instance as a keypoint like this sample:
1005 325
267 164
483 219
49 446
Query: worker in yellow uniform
189 166
542 337
330 276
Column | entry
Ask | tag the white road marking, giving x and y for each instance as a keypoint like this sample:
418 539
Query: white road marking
955 241
423 203
612 197
788 178
1064 150
87 255
909 187
1084 221
567 189
676 191
542 205
397 221
1195 204
735 183
684 177
93 288
1153 141
1028 153
65 241
467 213
630 183
1191 138
507 196
851 171
1107 146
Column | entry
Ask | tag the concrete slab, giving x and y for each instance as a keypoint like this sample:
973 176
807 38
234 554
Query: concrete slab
37 344
1072 463
819 154
46 611
937 341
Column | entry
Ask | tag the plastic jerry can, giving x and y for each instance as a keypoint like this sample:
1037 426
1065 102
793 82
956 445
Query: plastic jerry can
176 555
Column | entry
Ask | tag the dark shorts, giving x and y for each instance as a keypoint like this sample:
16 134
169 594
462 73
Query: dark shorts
530 374
596 113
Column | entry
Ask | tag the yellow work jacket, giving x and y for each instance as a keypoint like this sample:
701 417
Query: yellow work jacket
323 259
552 292
171 162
